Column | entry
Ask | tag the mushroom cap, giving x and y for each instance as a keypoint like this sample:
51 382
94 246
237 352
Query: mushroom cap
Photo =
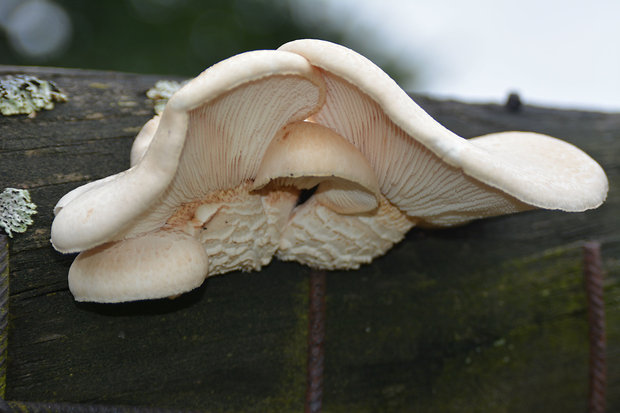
305 154
433 174
539 170
156 265
143 140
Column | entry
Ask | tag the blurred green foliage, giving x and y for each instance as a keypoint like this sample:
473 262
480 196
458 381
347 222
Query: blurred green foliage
180 37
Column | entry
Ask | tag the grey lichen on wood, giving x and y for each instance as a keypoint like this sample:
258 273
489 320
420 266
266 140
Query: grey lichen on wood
161 92
16 210
26 94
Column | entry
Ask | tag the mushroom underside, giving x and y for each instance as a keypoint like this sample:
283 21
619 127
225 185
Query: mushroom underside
346 222
244 227
216 181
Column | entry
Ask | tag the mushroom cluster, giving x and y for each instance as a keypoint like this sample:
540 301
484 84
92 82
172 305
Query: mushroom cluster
216 181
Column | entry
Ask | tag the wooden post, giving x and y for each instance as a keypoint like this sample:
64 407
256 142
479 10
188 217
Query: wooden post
491 316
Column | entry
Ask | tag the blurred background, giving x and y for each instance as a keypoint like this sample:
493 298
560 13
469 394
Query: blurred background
562 53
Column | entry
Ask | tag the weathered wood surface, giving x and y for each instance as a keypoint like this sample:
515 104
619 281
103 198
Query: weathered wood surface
488 317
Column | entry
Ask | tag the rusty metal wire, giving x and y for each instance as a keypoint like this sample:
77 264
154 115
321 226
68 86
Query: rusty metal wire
4 309
316 338
593 273
4 317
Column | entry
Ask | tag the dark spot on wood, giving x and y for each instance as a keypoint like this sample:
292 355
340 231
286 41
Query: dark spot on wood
513 103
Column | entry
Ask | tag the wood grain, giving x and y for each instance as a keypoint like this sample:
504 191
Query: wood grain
490 316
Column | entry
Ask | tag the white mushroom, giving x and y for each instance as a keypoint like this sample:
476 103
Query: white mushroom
220 173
